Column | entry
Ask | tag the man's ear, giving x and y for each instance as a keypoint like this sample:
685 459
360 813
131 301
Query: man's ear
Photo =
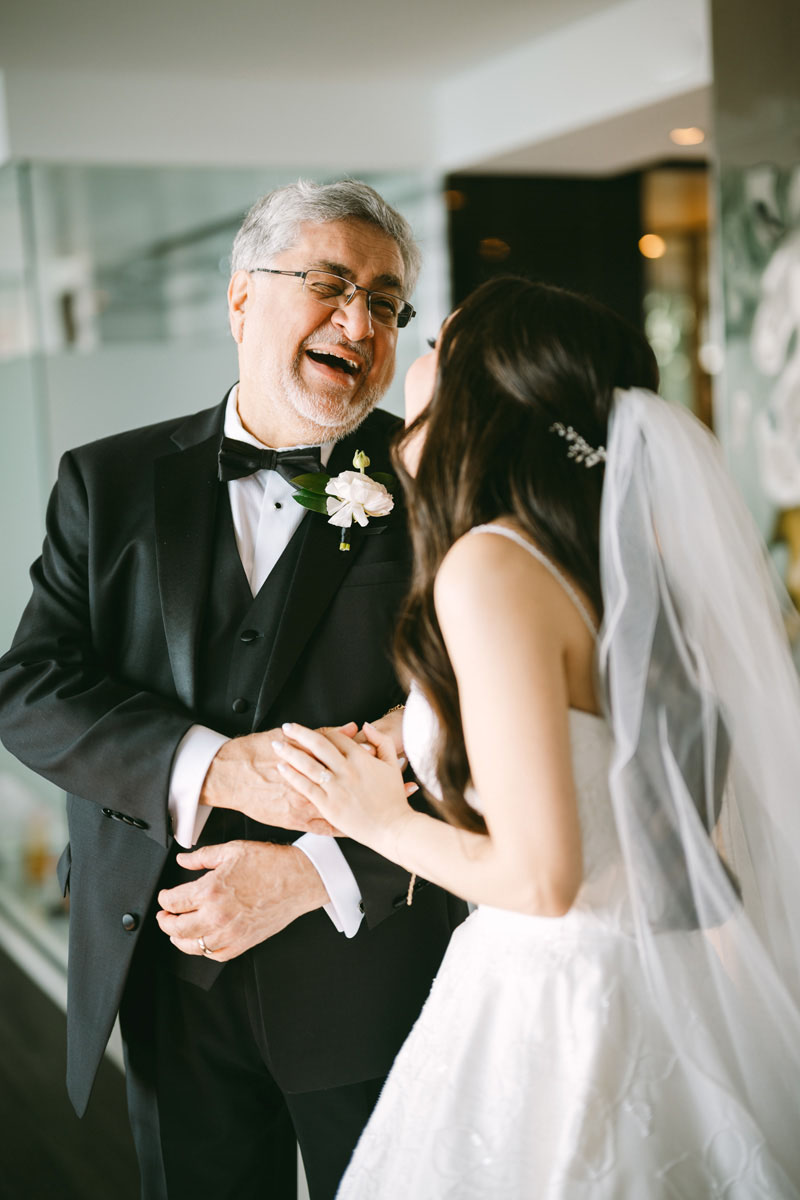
238 295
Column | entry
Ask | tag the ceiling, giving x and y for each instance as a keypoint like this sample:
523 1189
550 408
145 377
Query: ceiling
407 45
622 143
341 39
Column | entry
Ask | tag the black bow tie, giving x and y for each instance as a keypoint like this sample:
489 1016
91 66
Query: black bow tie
239 459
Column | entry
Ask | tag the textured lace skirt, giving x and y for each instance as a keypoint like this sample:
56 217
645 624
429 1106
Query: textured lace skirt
539 1068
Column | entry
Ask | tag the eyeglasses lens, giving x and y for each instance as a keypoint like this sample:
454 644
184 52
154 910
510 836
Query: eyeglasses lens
336 292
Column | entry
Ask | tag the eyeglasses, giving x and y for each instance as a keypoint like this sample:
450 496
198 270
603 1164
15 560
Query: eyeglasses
336 292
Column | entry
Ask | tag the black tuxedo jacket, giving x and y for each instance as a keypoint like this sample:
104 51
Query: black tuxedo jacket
101 683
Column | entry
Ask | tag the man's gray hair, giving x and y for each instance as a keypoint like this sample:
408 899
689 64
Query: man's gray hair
272 224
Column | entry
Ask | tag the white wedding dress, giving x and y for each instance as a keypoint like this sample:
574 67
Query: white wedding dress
539 1067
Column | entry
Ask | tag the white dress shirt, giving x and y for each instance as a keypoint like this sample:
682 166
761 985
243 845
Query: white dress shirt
264 518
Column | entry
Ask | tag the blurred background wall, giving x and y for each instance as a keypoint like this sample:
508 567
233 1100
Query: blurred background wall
646 152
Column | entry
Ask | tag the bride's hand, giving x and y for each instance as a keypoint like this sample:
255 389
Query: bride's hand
390 723
363 795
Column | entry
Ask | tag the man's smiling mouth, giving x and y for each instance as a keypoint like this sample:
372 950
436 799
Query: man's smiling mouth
337 361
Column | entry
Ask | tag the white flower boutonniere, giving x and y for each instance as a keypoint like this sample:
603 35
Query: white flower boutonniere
347 497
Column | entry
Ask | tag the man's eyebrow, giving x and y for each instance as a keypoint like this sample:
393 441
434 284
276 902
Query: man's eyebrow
388 281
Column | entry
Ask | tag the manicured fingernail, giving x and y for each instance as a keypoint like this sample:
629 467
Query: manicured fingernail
283 768
287 727
278 746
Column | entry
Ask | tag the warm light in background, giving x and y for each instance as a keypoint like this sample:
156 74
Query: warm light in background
494 249
652 246
454 200
690 136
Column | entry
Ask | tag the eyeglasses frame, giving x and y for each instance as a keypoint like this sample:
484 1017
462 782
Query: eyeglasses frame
407 312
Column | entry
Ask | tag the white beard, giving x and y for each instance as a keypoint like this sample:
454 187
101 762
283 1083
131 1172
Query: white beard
334 414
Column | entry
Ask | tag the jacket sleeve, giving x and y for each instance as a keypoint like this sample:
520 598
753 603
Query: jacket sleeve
62 711
383 885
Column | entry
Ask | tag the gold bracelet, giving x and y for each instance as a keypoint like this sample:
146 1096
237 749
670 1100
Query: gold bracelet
396 708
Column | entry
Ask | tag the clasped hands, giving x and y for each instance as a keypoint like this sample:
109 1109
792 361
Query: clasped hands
362 795
252 890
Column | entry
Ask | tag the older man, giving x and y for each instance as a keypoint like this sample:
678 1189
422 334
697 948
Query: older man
183 607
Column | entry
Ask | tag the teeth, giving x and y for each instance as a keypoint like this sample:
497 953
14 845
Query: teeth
335 359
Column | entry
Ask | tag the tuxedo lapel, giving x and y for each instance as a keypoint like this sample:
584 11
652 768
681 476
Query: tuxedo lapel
186 495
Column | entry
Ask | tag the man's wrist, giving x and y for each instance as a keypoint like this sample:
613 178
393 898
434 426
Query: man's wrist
311 891
229 769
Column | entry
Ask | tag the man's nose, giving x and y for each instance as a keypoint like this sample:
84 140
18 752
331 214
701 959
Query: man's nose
354 319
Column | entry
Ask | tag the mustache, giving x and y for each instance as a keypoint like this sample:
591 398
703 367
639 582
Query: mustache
363 349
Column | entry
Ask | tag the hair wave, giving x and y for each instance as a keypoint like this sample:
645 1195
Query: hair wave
515 358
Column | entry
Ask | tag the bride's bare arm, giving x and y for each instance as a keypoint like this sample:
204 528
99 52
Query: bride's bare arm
518 652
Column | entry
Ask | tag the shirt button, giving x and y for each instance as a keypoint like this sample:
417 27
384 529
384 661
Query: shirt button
278 504
130 921
249 635
240 705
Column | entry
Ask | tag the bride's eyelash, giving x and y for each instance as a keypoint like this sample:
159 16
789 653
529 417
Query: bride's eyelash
431 342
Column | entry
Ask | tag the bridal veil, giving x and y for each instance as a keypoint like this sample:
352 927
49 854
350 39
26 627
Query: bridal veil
704 701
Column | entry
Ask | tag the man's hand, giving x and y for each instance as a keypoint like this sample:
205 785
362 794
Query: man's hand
251 890
243 775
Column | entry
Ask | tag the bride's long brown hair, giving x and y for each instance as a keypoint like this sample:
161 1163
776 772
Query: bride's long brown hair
515 358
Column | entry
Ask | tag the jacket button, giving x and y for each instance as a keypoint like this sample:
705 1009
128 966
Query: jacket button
130 921
240 705
249 635
361 908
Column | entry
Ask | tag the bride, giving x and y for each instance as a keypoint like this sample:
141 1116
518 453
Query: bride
603 708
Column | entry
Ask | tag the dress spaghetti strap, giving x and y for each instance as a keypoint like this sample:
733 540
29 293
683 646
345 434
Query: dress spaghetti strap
551 567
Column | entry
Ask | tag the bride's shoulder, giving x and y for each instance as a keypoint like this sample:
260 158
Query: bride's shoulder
484 564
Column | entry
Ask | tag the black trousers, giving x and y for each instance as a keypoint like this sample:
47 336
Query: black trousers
208 1119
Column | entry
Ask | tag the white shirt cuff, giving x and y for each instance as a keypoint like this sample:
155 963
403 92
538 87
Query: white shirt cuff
344 908
196 749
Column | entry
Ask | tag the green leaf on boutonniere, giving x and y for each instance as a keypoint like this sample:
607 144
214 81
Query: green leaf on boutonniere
312 500
311 483
388 481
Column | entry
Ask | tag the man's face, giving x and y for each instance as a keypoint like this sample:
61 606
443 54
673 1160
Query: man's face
309 372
